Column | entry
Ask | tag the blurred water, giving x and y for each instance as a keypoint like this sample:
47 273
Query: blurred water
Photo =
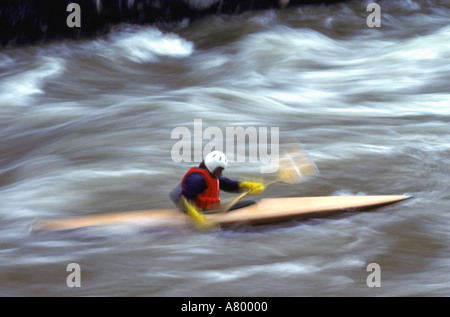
85 128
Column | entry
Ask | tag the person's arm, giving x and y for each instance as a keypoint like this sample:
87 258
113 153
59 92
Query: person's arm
229 185
194 184
232 186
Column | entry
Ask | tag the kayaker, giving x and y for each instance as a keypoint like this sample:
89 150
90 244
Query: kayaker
199 188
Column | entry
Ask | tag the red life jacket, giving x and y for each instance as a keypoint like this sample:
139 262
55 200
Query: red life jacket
209 198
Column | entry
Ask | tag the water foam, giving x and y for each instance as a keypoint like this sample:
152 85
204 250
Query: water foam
18 88
145 45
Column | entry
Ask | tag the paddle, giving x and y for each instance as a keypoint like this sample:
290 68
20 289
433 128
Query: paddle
294 165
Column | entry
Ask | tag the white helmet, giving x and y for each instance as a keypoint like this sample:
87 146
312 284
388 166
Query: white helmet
214 160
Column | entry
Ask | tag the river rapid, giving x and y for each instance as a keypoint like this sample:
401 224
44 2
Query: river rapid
86 127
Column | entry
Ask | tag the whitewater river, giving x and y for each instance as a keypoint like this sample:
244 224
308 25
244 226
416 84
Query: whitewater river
90 127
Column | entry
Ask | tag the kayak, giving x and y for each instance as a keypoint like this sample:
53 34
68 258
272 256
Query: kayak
264 211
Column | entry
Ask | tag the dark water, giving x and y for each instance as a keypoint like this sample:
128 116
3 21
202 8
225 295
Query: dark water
86 127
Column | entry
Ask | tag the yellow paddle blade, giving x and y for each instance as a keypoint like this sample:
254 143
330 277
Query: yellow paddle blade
196 217
199 220
295 164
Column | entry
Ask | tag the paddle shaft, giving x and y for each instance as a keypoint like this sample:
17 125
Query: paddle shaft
295 165
231 204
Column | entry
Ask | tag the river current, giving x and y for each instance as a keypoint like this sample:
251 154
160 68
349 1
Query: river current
87 127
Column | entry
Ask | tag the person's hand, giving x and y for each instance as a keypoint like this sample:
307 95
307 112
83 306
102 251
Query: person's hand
252 188
195 215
